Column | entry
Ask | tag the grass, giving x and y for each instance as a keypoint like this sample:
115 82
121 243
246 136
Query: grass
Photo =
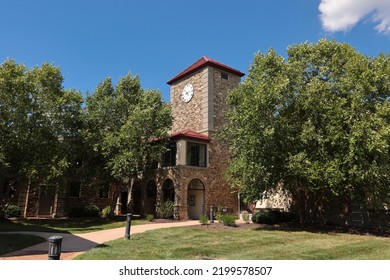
204 242
81 225
14 242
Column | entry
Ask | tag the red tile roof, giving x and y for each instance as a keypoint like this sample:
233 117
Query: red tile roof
191 134
203 62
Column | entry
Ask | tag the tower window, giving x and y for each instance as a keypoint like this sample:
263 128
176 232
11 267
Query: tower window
196 154
224 75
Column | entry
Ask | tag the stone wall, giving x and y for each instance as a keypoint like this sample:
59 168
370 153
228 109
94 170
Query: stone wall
220 89
216 191
189 115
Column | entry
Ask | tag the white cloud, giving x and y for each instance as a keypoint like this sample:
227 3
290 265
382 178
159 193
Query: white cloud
342 15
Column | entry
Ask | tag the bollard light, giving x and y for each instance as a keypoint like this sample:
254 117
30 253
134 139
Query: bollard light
55 247
211 214
128 226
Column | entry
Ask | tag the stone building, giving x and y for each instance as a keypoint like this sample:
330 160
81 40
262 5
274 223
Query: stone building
191 171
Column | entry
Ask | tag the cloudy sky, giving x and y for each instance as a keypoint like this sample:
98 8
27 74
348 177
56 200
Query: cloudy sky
94 39
343 15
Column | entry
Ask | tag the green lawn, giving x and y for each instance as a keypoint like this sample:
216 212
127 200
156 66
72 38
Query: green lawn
65 225
14 242
205 242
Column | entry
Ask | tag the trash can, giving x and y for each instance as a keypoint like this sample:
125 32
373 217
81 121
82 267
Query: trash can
55 243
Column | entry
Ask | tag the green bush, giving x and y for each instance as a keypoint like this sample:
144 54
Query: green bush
84 211
166 209
245 216
149 217
204 220
91 211
272 217
228 220
106 212
12 211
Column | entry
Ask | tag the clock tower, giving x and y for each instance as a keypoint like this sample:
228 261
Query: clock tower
198 95
191 172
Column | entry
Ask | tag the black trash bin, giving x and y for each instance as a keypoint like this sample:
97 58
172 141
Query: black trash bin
55 243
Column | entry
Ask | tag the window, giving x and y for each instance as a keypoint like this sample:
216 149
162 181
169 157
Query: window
196 154
104 190
74 189
224 75
170 155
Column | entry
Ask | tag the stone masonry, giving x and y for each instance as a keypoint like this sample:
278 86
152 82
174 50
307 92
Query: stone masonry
203 114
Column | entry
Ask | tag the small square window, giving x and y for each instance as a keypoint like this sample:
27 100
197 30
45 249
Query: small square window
224 75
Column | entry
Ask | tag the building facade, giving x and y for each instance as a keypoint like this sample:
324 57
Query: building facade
191 173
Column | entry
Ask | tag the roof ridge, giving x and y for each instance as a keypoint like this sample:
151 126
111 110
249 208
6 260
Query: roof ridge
203 62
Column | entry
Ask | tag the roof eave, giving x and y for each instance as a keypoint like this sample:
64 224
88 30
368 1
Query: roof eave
207 62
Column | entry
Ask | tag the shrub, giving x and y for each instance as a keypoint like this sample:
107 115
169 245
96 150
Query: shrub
219 212
12 211
228 220
166 209
204 220
272 217
149 217
245 216
91 211
106 212
84 211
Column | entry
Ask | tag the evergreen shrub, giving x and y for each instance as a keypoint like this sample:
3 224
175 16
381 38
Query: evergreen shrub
272 217
12 211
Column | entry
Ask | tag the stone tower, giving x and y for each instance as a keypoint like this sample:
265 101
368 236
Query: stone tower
198 105
191 172
203 111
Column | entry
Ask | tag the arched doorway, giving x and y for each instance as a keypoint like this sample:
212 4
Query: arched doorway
136 198
195 199
168 191
151 195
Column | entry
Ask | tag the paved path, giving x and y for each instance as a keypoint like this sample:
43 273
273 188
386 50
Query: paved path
76 244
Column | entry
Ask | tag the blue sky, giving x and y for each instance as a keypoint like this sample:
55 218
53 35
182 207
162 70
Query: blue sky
94 39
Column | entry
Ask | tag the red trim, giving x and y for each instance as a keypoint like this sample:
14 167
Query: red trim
201 63
191 134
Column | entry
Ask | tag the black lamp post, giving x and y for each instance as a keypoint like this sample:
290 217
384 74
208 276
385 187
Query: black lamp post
128 226
55 247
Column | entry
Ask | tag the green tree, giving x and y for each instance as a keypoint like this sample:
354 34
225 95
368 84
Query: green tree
39 125
126 127
317 122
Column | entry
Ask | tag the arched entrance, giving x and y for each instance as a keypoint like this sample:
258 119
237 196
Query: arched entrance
168 190
151 195
195 199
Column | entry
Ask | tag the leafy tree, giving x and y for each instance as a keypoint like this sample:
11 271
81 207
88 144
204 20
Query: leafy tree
39 124
126 127
317 122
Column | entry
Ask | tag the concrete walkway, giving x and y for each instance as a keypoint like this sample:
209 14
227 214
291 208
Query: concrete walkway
76 244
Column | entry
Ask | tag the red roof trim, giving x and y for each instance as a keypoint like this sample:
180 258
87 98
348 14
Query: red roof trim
191 134
201 63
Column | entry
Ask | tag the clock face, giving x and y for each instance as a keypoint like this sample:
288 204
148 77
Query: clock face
187 93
